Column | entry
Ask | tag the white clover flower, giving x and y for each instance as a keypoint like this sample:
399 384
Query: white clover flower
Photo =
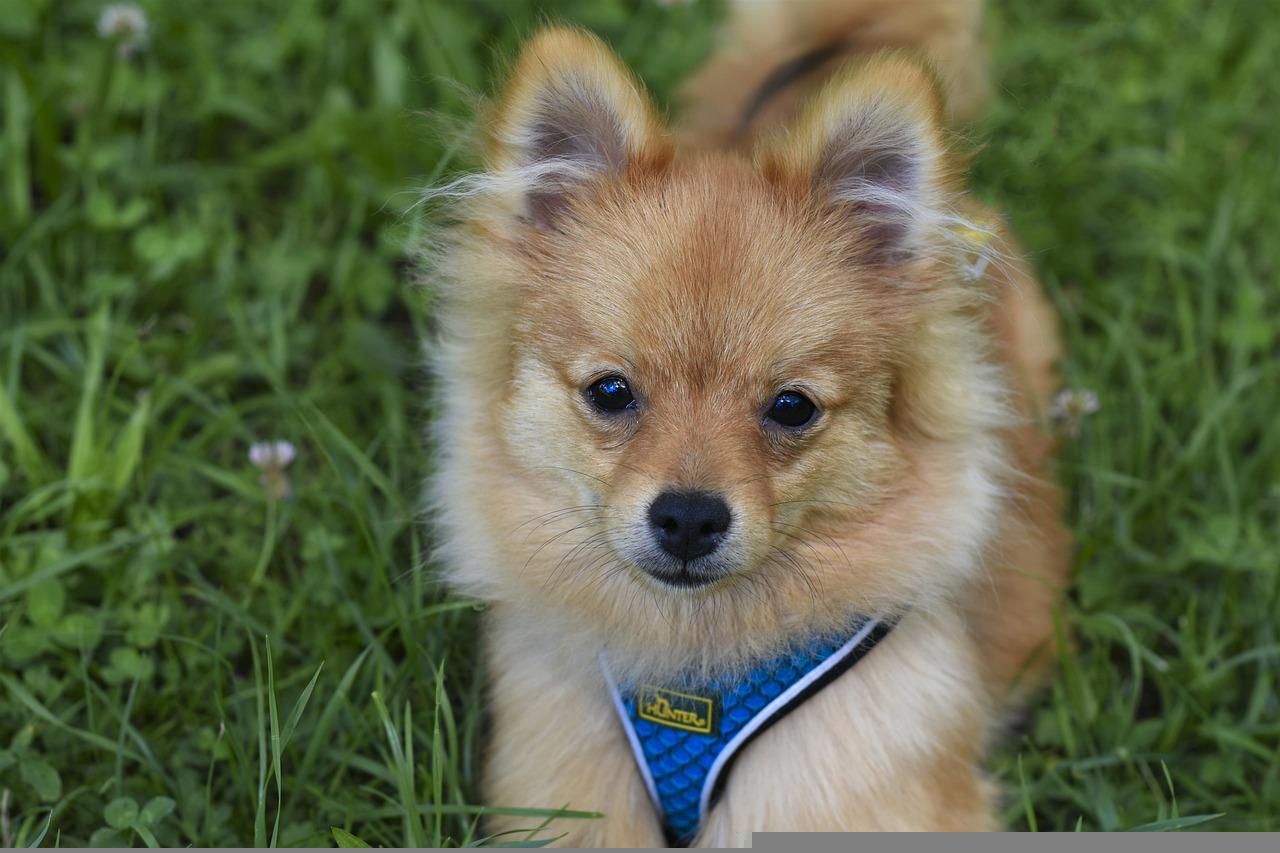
271 458
1071 407
127 25
272 454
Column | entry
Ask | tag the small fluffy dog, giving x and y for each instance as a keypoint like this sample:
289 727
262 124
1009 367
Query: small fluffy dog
739 421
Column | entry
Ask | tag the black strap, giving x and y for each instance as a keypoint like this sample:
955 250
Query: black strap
782 77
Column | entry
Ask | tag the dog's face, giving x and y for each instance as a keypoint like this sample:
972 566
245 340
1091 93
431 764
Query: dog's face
706 370
716 371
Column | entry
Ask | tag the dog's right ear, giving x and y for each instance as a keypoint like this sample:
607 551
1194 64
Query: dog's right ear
870 147
571 114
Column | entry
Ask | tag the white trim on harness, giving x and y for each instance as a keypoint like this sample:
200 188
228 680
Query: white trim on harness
636 749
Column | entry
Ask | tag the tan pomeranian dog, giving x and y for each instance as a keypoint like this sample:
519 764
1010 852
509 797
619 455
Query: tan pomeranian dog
739 436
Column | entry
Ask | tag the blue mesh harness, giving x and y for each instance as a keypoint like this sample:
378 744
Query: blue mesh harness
686 734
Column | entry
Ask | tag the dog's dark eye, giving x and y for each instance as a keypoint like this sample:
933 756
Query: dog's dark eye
792 409
611 394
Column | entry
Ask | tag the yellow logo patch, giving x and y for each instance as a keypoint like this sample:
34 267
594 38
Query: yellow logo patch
677 710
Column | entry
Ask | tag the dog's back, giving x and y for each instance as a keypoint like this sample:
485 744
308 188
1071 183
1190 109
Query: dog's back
773 55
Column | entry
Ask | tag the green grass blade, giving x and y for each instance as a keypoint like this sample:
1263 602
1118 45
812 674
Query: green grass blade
128 448
299 707
25 451
328 717
403 772
345 839
276 747
438 757
260 811
84 456
1177 823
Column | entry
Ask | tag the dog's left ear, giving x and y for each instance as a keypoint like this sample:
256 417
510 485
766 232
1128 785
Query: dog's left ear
571 114
870 147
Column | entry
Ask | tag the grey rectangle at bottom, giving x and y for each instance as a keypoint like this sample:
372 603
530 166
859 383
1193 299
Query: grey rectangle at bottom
1016 842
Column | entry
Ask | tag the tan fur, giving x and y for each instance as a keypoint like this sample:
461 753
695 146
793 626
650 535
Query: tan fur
711 279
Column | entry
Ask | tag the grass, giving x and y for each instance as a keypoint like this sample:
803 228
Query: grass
204 245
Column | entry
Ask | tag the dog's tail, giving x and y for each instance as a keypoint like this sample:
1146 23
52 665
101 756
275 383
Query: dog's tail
775 52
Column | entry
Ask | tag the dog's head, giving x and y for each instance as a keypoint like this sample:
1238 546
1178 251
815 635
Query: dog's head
753 381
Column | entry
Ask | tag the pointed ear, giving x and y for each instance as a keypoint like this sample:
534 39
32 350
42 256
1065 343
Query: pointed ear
571 113
870 146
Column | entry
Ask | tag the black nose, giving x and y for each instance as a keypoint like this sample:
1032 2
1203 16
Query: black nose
689 524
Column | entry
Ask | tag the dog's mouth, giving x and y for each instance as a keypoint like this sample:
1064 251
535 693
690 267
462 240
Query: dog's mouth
698 575
685 577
